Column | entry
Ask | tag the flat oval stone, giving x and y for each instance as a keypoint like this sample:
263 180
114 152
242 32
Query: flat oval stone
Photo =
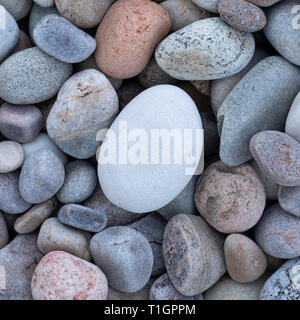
62 276
10 198
33 218
207 49
83 218
55 236
44 3
20 123
163 289
230 199
125 257
152 227
80 182
127 36
116 216
284 283
41 177
280 30
292 125
185 237
150 186
11 156
278 155
209 5
4 236
17 8
245 261
9 35
278 233
31 76
85 104
83 13
23 43
289 199
245 112
242 15
19 259
59 38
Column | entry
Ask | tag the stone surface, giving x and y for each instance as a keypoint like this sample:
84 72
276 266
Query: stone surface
209 5
284 283
59 38
245 112
62 276
163 289
33 218
280 29
4 237
31 76
278 233
10 198
83 13
11 156
242 15
127 36
278 155
245 262
85 104
45 3
150 186
83 218
41 177
190 272
203 86
152 227
230 199
17 8
205 50
292 124
289 199
80 182
55 236
23 43
19 259
125 257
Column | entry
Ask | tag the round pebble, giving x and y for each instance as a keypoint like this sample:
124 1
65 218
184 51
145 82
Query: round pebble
41 177
4 236
11 156
62 276
185 237
125 257
17 8
289 199
278 233
127 36
31 76
292 124
80 182
231 199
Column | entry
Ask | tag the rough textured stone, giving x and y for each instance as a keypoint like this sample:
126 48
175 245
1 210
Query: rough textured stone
292 124
17 8
205 50
34 217
190 272
59 38
230 199
278 155
209 5
11 156
125 257
289 199
80 182
4 237
20 123
278 233
31 76
42 175
55 236
19 259
274 82
62 276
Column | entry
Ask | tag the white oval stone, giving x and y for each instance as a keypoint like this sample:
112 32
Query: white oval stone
11 156
145 183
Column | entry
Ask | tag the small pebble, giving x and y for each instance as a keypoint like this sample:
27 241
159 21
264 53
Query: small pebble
11 156
289 199
125 257
209 5
55 236
62 276
4 236
17 8
292 125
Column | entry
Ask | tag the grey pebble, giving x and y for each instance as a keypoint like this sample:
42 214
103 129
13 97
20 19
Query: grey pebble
82 217
17 8
11 156
289 199
4 236
209 5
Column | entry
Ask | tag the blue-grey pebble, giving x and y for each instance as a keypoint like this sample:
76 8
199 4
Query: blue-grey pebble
61 39
260 101
80 182
31 76
82 217
10 199
41 177
125 256
17 8
152 227
289 199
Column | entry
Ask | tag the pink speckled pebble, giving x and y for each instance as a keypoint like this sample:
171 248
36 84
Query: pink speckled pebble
62 276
